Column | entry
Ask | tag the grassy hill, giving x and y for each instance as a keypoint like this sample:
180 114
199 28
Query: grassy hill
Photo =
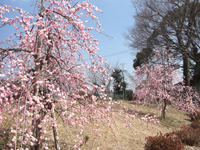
134 138
126 138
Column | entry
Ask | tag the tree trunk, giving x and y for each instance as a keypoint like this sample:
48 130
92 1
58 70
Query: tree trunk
186 70
196 78
164 105
38 66
37 130
165 83
55 132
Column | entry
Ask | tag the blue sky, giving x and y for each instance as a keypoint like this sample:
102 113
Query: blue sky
115 19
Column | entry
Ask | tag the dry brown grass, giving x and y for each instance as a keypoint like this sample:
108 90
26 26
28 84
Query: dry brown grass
126 138
131 138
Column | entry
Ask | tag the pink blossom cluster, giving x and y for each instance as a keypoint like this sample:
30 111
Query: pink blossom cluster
156 84
149 118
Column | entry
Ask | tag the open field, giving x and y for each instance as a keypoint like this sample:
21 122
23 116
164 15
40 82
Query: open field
125 138
134 139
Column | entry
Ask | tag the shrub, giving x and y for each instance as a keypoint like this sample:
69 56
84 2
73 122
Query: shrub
195 124
195 116
160 142
188 135
129 95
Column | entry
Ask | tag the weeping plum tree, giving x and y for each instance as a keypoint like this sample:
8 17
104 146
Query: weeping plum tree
155 85
42 72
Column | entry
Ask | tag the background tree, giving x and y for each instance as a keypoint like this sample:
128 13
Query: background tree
174 24
155 85
119 80
98 78
142 57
